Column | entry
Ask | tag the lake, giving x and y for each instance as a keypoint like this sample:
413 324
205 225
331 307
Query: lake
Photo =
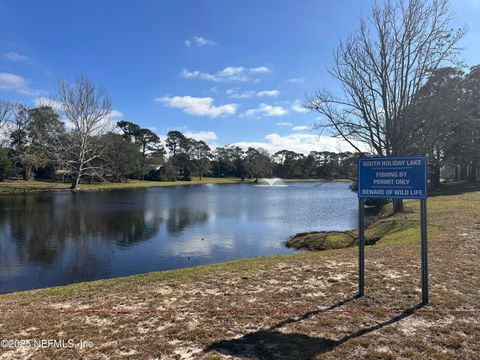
49 239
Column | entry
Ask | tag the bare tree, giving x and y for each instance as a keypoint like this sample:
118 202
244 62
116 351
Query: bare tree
381 67
6 109
86 107
6 114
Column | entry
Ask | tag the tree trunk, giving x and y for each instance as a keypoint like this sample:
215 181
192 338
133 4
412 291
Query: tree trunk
75 181
473 171
397 205
27 173
463 172
435 176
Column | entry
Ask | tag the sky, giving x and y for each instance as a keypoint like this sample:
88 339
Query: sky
226 72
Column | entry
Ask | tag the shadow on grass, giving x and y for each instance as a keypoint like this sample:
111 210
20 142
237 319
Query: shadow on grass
273 344
455 188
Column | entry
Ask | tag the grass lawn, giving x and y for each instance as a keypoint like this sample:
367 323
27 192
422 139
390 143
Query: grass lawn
301 306
384 226
20 186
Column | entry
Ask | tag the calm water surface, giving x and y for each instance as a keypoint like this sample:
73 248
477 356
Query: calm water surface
51 239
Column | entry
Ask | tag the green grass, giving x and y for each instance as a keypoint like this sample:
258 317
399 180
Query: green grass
303 180
385 228
20 186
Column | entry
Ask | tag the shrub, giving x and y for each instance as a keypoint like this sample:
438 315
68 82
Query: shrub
6 168
46 172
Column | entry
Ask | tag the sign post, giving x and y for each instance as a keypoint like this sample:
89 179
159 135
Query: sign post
424 251
393 178
361 248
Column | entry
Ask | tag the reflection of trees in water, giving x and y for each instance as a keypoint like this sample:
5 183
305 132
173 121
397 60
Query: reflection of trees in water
43 226
180 218
83 264
31 230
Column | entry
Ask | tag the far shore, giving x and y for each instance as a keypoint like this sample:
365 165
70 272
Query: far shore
8 187
21 186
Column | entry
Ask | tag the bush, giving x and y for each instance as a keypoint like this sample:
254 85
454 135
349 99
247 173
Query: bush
154 175
6 168
162 174
46 172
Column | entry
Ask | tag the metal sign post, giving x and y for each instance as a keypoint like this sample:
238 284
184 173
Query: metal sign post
393 178
361 248
424 250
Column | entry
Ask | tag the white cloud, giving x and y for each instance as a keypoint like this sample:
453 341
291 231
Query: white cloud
13 82
260 70
300 143
283 123
296 80
265 110
199 41
298 107
228 74
301 128
198 106
15 57
10 81
115 116
235 93
44 101
202 135
268 93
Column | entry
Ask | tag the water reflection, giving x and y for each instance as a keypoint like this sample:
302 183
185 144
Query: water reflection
179 219
58 238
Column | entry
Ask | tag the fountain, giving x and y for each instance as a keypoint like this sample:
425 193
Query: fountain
271 182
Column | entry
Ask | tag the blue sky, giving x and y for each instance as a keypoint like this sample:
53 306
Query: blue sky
223 71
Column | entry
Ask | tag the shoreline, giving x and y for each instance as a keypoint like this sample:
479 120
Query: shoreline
13 187
381 224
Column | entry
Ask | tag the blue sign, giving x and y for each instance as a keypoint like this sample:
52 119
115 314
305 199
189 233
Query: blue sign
392 177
